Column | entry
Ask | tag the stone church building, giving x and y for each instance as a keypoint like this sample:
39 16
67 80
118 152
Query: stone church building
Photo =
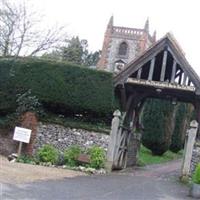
121 45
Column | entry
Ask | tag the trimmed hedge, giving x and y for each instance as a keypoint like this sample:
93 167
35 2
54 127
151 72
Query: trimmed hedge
60 87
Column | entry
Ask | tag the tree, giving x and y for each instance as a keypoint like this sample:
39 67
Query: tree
158 117
92 58
183 117
21 33
75 51
55 54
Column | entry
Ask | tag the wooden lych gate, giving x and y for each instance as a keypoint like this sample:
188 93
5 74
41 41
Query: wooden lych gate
163 72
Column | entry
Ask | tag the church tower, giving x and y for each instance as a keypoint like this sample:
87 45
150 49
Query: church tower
121 45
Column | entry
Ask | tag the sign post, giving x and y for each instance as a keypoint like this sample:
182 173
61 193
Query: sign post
21 135
19 149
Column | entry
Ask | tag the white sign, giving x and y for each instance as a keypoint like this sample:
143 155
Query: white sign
22 134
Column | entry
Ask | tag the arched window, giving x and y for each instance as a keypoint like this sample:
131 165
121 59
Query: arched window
123 48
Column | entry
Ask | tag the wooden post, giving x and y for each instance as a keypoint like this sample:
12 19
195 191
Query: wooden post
151 69
139 73
180 77
162 75
184 79
123 98
19 149
113 140
189 82
173 72
189 144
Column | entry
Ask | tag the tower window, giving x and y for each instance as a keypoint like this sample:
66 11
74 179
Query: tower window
123 48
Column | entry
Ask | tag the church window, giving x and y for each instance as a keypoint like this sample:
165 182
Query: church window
123 48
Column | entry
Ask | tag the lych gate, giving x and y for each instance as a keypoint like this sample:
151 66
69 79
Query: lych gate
160 72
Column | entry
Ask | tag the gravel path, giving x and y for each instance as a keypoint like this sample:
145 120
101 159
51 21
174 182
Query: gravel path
22 173
162 171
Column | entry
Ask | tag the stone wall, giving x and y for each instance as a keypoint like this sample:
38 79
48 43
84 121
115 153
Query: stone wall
62 137
113 55
195 156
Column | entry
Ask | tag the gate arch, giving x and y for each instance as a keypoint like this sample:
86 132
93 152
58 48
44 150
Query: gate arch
162 71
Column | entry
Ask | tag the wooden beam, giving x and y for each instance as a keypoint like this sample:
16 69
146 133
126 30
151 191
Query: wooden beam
189 82
180 78
173 72
129 101
197 110
123 97
184 78
129 110
162 75
151 69
139 62
139 73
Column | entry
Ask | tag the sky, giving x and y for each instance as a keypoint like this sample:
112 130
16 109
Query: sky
88 19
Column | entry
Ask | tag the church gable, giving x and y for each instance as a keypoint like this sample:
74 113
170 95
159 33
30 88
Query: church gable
163 63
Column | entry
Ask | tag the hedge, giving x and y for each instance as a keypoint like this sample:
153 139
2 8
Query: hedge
60 87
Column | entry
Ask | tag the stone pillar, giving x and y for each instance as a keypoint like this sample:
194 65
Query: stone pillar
189 144
29 121
113 140
195 156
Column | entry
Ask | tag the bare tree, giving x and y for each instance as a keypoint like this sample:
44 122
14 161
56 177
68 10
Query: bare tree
21 32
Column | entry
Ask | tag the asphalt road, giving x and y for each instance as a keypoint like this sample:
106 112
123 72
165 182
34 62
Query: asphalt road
125 186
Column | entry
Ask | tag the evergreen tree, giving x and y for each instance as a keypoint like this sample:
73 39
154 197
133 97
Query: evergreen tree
157 120
92 58
74 52
183 116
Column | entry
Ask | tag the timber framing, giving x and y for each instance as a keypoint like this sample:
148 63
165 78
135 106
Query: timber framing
174 68
162 71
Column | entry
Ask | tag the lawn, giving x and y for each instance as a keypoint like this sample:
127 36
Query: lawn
146 157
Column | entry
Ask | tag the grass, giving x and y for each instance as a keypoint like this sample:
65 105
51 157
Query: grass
146 157
97 126
77 123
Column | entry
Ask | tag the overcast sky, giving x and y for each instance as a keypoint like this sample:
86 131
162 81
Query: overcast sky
88 19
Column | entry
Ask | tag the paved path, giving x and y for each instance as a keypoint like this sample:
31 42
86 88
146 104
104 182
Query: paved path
147 184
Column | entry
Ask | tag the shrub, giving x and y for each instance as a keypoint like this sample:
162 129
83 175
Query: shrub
8 122
26 159
97 157
157 119
183 116
196 176
71 154
60 87
27 102
48 153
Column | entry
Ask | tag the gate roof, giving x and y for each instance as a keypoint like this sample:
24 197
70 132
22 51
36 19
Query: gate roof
163 65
